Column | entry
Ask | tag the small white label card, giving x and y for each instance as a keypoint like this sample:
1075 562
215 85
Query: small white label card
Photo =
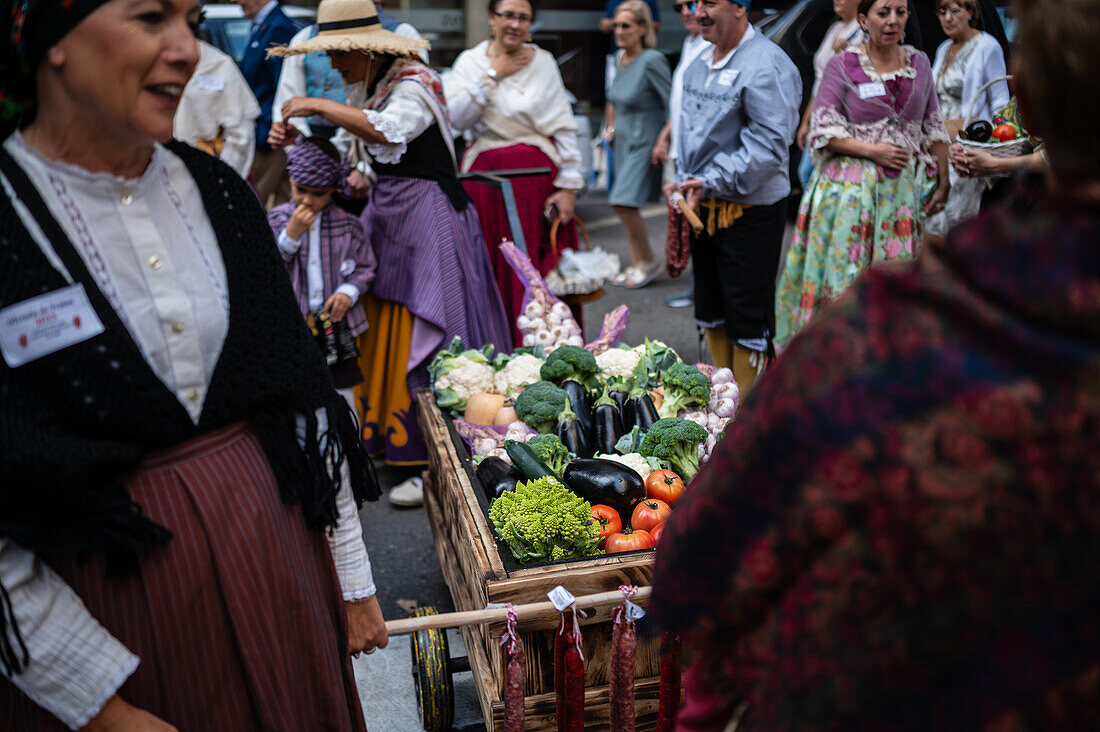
872 89
726 77
209 83
46 324
633 612
561 598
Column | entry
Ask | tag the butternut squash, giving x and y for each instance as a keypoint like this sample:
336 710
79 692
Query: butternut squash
483 408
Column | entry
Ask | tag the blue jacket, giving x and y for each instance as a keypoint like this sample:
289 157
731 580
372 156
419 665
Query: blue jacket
261 72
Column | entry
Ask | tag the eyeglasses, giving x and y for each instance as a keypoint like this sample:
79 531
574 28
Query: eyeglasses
509 16
681 7
622 26
953 10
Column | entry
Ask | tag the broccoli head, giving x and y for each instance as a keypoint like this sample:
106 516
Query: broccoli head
677 441
569 363
540 404
551 452
542 520
684 386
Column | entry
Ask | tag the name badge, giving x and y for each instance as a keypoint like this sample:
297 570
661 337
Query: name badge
46 324
872 89
209 83
727 76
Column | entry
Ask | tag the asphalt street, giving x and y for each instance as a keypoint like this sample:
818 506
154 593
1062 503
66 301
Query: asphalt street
406 568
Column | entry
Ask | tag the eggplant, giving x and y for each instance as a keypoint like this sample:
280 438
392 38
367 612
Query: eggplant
607 482
979 131
608 423
572 434
621 399
497 476
643 411
525 461
578 400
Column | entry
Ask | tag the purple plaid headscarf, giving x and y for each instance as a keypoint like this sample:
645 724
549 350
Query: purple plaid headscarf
309 165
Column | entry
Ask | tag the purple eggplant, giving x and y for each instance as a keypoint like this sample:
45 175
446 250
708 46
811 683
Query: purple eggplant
607 482
642 410
608 424
572 433
497 476
578 400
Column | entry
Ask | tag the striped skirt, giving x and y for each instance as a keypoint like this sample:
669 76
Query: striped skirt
239 620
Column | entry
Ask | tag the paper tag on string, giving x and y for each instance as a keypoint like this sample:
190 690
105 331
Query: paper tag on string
496 605
633 612
561 598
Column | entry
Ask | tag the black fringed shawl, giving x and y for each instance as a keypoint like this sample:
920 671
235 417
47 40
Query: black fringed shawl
71 421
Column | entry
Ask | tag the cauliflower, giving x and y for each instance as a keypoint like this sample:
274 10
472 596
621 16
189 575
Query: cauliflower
463 379
542 520
517 374
640 465
618 362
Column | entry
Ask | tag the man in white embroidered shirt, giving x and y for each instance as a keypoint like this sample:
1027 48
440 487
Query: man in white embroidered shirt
738 118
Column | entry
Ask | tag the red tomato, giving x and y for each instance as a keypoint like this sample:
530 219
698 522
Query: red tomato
649 513
664 485
628 540
656 532
608 519
1004 133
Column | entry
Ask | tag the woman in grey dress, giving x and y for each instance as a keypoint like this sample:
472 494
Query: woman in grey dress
638 101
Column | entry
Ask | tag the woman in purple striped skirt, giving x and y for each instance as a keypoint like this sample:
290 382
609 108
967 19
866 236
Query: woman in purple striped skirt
434 278
173 454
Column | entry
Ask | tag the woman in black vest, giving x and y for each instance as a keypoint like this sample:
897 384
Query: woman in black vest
172 449
434 279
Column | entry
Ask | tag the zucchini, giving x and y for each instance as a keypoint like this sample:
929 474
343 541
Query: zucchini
526 462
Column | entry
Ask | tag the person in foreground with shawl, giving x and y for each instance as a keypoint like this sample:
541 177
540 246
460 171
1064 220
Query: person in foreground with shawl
434 280
880 153
900 530
507 97
179 538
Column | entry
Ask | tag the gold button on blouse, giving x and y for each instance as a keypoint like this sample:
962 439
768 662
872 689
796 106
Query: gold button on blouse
177 327
193 395
155 263
126 199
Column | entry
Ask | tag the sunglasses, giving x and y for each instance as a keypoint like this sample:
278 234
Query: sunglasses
622 26
681 7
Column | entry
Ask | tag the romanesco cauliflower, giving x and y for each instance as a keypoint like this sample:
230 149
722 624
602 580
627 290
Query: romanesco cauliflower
517 374
618 362
542 520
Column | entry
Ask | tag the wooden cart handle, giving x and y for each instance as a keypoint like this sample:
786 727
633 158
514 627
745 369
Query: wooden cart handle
499 615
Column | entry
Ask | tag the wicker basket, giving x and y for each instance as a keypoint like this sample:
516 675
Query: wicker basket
1010 149
569 290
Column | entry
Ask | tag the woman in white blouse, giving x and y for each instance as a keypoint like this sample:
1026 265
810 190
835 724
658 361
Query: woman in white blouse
968 60
171 448
434 281
507 97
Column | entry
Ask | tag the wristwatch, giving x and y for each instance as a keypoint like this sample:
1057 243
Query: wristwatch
492 74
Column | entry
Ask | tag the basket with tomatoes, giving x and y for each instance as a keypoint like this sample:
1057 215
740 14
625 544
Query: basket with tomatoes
1003 136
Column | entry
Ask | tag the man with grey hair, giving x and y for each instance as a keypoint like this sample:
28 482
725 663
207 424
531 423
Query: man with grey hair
738 118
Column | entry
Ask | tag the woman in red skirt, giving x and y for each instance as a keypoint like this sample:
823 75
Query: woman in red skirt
179 540
507 97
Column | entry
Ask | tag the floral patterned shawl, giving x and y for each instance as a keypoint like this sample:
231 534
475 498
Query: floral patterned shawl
901 531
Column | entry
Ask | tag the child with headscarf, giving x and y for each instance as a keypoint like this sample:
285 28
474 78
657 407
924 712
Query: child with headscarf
327 254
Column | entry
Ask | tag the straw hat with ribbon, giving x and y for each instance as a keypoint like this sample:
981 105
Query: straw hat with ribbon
352 25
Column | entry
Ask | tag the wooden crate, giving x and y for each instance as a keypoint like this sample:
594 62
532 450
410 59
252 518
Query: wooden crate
476 575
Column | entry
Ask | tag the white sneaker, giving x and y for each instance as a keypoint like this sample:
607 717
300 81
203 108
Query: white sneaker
408 493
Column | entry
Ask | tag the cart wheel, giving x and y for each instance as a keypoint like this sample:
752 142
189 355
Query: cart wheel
435 691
